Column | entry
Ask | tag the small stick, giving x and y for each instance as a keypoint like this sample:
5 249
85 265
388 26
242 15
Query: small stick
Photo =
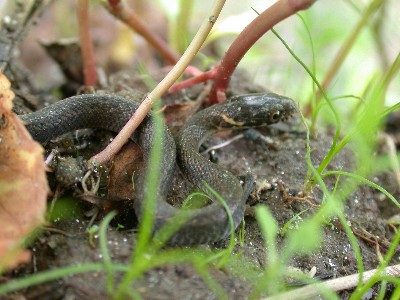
338 284
287 197
122 12
223 144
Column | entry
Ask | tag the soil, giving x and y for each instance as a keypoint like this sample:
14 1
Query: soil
283 160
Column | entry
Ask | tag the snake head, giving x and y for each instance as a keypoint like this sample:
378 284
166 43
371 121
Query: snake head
261 109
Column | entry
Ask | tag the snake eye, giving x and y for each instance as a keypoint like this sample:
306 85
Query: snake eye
275 116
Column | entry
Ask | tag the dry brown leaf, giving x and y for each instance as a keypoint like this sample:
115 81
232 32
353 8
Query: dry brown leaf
23 184
126 164
177 114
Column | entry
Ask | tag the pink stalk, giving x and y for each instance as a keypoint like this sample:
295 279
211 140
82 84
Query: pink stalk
122 12
221 73
246 39
89 64
192 81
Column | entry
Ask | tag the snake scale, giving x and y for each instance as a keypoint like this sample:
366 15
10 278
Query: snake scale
108 111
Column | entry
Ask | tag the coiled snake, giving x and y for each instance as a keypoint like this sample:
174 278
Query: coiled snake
107 111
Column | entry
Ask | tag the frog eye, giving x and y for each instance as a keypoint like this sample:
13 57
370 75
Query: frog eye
275 116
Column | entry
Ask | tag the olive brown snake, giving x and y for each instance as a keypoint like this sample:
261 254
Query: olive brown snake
107 111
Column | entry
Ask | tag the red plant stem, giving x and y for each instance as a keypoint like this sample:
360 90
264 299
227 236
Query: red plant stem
191 70
246 39
89 64
126 15
192 81
113 2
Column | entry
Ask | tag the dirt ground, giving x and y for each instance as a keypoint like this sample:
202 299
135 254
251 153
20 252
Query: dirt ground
280 160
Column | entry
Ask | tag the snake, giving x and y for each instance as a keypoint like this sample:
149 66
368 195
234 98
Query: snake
205 225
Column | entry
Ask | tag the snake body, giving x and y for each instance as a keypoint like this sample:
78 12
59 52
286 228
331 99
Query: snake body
107 111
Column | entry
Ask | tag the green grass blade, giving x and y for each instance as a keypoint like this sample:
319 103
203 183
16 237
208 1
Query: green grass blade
224 253
138 264
104 251
329 156
45 276
365 181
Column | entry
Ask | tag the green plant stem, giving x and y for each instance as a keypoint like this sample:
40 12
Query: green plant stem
138 261
180 31
108 266
348 44
273 268
211 282
127 131
195 257
330 206
329 156
313 101
391 72
89 64
344 50
226 253
378 93
382 270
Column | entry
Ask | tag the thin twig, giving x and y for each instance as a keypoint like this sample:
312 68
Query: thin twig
122 12
338 284
287 197
223 144
52 154
160 89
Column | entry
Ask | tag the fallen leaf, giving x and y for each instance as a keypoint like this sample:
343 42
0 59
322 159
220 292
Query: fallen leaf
23 183
177 114
126 165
